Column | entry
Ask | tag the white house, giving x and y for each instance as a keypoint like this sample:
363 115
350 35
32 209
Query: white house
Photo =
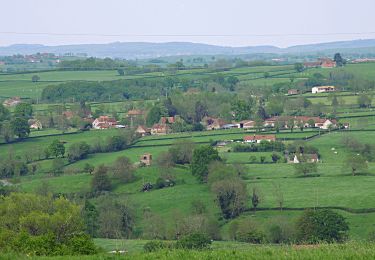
104 122
259 138
323 89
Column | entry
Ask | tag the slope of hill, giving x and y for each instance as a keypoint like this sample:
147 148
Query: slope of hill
136 50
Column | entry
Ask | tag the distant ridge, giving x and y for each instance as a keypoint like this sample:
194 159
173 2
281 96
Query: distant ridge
143 50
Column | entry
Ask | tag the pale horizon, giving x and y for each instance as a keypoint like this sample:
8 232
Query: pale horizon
236 23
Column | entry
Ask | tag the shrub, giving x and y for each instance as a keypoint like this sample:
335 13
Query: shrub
194 241
156 245
251 236
322 226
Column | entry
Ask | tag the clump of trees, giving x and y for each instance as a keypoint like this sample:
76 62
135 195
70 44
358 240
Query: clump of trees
38 225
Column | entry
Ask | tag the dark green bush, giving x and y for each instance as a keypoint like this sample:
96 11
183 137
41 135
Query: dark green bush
324 225
194 241
156 245
251 236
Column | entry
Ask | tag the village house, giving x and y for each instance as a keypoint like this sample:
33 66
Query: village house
35 124
104 122
293 92
323 89
311 158
142 130
146 159
160 129
11 102
259 138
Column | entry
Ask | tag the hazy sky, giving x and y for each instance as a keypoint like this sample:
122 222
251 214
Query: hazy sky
222 22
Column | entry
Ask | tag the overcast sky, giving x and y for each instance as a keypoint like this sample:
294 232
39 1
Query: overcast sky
221 22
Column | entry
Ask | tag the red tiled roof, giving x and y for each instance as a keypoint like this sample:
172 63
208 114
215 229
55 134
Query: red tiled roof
135 112
169 120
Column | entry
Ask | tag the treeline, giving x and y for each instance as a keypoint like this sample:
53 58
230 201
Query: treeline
19 165
93 64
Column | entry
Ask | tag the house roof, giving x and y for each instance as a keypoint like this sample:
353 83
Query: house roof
259 137
165 120
105 119
135 112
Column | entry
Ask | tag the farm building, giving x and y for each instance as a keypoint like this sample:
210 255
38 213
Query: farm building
283 121
159 129
323 89
11 102
35 124
142 130
259 138
246 124
213 123
311 158
293 92
146 159
104 122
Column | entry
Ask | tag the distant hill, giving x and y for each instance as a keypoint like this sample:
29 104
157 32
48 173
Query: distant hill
142 50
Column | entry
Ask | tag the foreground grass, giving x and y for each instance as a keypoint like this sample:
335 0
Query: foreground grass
230 250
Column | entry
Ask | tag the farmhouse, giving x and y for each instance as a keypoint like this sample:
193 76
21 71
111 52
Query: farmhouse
311 158
142 130
146 159
325 123
35 124
323 89
259 138
159 129
104 122
246 124
11 102
293 92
